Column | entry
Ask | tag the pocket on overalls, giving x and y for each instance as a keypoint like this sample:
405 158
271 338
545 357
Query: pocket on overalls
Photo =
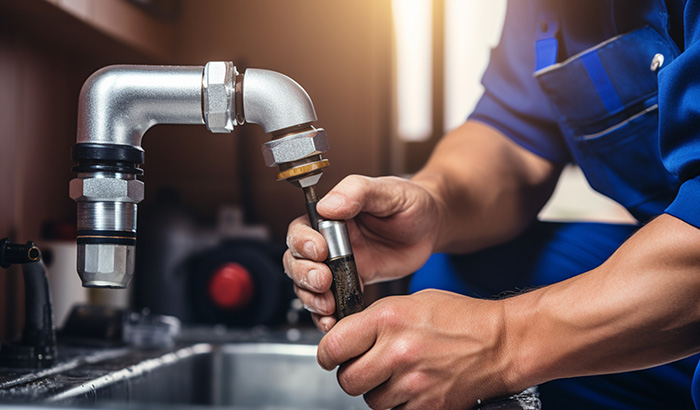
605 101
633 173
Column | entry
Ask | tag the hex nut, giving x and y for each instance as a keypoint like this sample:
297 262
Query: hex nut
295 147
105 265
217 95
107 189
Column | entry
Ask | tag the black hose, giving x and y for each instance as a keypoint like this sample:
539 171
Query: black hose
37 349
38 326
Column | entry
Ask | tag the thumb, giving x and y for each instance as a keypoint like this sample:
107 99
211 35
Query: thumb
355 193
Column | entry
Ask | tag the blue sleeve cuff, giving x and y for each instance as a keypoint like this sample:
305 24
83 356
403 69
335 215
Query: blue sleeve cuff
686 206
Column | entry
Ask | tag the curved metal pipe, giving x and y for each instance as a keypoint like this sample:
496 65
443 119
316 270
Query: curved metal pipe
119 103
275 101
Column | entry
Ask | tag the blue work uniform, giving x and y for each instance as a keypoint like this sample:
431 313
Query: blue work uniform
614 87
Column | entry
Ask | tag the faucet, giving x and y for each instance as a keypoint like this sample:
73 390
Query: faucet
118 104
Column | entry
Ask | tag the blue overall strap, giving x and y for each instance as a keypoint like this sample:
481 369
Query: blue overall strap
601 81
546 43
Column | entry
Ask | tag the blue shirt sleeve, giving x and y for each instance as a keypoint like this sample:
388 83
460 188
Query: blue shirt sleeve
513 101
679 120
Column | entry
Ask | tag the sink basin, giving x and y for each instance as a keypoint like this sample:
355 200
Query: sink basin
240 375
276 375
245 375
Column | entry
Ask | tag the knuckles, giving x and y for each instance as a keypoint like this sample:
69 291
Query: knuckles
295 241
416 382
322 304
390 315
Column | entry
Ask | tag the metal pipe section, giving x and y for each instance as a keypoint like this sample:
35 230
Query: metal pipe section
336 235
346 285
119 103
275 101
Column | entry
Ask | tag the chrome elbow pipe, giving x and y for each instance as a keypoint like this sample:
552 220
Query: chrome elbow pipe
118 104
275 101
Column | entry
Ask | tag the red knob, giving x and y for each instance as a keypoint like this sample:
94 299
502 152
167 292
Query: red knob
231 286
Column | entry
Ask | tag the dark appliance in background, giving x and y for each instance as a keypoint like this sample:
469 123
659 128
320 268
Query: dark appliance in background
228 274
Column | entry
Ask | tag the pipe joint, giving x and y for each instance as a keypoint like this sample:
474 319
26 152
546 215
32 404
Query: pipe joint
218 100
118 104
275 101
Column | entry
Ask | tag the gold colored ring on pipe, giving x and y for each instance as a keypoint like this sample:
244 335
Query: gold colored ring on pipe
302 169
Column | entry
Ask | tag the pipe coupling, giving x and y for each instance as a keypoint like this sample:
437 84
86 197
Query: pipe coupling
295 146
106 188
218 100
107 207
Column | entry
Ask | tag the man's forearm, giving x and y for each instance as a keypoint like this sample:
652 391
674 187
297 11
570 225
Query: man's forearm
639 309
489 188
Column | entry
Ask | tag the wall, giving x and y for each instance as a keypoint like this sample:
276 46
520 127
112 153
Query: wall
35 141
338 51
46 54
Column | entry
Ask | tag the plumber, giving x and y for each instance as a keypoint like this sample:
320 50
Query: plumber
612 86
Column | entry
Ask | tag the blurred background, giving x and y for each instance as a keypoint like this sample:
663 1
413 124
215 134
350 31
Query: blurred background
387 80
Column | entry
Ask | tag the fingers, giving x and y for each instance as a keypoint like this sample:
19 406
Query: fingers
301 261
365 372
312 279
386 396
312 284
323 323
377 196
320 303
402 391
335 347
305 242
368 366
309 275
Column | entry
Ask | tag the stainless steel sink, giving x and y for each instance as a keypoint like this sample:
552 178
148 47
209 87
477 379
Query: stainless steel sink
240 375
276 375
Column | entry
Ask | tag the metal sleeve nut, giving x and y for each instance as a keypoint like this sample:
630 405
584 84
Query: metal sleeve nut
295 147
217 95
106 265
107 189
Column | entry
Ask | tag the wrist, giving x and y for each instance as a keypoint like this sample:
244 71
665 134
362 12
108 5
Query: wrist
523 362
434 186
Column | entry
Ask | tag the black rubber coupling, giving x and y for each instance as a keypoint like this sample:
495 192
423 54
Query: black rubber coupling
107 158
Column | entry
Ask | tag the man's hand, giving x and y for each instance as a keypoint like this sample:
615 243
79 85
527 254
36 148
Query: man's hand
439 350
478 189
392 234
431 350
